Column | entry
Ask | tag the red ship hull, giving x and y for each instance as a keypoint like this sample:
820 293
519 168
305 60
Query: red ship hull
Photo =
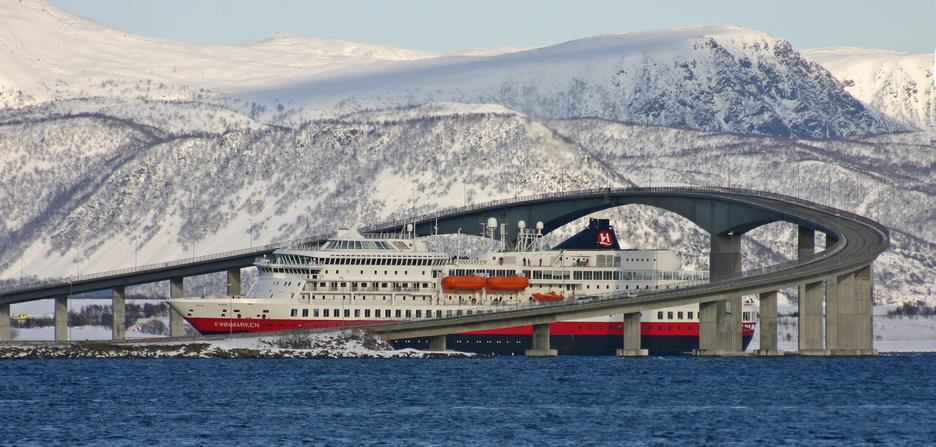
569 337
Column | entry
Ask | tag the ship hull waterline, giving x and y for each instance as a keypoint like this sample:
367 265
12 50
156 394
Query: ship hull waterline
569 338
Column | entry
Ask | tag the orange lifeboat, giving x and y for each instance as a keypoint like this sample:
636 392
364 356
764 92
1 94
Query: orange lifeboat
469 282
548 297
511 283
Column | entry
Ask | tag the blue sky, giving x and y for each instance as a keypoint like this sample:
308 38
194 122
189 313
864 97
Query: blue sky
446 26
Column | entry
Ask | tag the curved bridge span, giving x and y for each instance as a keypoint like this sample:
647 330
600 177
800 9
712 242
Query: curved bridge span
837 279
842 270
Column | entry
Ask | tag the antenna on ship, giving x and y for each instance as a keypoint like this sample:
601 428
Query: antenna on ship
491 226
503 236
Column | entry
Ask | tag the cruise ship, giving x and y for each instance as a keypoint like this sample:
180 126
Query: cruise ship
357 279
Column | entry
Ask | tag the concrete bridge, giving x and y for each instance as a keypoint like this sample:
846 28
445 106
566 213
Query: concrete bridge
842 271
837 279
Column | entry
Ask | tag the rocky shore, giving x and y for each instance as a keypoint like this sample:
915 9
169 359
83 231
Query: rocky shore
347 344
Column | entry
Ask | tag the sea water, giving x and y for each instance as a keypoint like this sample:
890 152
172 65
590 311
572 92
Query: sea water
512 401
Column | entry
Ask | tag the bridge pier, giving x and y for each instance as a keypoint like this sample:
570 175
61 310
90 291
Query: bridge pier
6 329
810 299
118 306
631 346
541 342
720 321
60 317
437 343
849 326
708 336
805 242
234 281
768 325
810 319
176 322
720 327
729 325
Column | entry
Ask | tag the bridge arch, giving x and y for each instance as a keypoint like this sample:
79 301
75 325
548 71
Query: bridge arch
717 215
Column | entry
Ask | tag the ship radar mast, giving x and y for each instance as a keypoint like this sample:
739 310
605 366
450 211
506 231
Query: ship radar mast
527 238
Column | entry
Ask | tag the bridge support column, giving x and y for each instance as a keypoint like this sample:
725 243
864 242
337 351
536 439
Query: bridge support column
6 330
234 281
810 319
720 332
728 325
437 343
631 346
768 325
805 242
708 336
541 342
176 322
831 310
118 306
60 317
720 327
850 329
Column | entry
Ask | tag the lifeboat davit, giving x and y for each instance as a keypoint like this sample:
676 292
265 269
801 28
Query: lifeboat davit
509 283
469 282
548 297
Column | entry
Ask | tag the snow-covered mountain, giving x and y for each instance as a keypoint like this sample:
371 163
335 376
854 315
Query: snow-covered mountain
706 77
47 53
711 78
899 84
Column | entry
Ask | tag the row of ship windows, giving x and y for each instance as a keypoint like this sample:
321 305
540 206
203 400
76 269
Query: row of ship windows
678 315
366 261
307 260
405 286
617 275
487 272
601 275
745 316
385 272
429 298
419 313
378 313
358 285
364 245
374 285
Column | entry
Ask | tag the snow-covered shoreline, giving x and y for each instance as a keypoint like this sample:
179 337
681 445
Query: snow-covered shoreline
891 334
346 344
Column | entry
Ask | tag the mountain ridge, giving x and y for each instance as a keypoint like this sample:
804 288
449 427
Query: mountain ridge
723 78
899 84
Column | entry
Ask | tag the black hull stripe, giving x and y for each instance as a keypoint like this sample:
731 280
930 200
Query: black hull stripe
565 344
